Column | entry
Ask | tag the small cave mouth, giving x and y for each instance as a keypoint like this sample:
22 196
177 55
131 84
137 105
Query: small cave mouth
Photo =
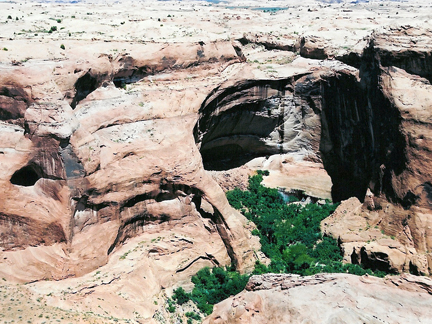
26 176
119 83
409 199
413 269
84 86
128 76
376 261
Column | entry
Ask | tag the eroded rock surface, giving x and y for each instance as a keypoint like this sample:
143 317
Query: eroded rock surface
391 231
328 298
89 165
117 142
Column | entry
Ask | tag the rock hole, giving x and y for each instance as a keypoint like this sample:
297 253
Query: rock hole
84 86
119 83
409 200
413 269
64 142
26 176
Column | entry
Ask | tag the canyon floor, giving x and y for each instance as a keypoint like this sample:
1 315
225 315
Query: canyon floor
123 124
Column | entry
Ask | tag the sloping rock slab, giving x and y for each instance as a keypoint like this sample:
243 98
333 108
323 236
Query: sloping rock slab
328 298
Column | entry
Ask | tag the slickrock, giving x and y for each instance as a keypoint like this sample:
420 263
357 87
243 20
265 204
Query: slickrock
328 298
122 125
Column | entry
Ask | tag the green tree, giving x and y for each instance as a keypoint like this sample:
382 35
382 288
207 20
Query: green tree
290 234
180 296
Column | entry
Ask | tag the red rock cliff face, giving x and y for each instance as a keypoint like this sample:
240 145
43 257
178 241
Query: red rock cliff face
96 153
259 118
87 165
373 134
384 148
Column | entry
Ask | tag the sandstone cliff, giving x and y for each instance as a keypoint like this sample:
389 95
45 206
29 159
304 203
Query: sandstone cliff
115 142
328 298
87 165
385 150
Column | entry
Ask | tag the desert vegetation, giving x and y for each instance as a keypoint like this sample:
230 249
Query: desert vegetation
290 237
211 287
290 233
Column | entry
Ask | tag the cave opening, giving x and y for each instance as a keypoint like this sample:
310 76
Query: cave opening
226 157
241 123
128 76
84 86
359 128
413 269
119 83
376 261
26 176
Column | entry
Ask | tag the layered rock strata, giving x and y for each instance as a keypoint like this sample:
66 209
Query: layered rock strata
105 153
89 161
388 153
86 145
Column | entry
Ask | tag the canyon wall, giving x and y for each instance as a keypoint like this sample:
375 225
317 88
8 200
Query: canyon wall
106 157
367 122
91 159
388 154
98 152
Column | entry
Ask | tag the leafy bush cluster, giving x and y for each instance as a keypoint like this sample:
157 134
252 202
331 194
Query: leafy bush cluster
192 316
211 287
290 234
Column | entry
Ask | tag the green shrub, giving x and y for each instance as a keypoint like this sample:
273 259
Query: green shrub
193 315
290 234
62 46
296 257
211 287
180 296
263 172
52 29
171 306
